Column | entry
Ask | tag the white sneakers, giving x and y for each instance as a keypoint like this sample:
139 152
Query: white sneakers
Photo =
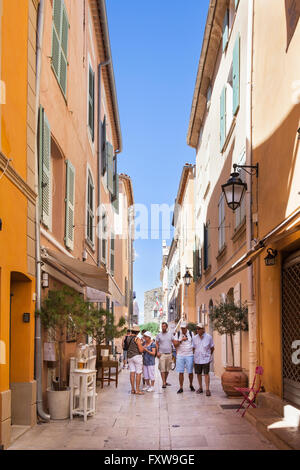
150 389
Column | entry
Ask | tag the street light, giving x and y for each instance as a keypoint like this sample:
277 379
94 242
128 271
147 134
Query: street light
187 278
234 190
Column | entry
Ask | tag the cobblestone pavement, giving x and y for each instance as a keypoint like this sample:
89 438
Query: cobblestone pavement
161 420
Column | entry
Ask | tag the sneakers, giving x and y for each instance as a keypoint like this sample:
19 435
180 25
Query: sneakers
145 389
180 390
150 389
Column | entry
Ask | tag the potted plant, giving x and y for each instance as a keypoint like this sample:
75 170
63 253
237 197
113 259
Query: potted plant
63 310
228 319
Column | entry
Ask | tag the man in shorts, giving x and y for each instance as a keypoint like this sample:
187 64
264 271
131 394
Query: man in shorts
164 352
203 349
183 342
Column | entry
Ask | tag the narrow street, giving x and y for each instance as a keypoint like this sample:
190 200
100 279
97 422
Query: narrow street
161 420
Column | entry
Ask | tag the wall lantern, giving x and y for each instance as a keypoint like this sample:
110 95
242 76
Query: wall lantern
171 309
187 278
45 280
270 259
234 190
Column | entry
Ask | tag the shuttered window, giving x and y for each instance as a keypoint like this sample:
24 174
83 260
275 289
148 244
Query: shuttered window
206 247
70 205
60 36
110 167
223 118
112 254
225 29
45 168
104 237
103 148
236 76
221 228
91 103
90 209
115 196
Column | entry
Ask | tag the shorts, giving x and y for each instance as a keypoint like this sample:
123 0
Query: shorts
149 372
125 355
165 362
136 364
199 368
183 362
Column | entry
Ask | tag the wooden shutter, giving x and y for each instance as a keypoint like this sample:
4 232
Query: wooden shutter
112 254
103 149
110 167
225 30
45 168
91 106
116 194
64 51
90 209
56 34
205 247
70 205
236 76
60 35
223 118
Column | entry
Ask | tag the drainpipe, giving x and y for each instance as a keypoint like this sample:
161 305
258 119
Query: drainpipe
38 329
249 221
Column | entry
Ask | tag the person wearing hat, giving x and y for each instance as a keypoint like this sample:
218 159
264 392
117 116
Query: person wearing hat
149 361
183 342
203 349
135 360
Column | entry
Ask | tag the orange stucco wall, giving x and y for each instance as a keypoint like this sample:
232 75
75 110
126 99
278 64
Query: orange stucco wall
13 203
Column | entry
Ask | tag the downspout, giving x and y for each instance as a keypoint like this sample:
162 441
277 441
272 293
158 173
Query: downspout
249 221
38 330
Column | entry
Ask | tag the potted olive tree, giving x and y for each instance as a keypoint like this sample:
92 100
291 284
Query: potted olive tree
228 319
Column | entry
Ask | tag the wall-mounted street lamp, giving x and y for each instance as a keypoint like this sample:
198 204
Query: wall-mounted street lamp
270 259
187 278
235 188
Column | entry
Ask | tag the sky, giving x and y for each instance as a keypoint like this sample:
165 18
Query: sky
156 46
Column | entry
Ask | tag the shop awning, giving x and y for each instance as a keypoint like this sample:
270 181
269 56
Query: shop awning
289 226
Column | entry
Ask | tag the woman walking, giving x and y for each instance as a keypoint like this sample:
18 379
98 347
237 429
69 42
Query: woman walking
135 360
149 362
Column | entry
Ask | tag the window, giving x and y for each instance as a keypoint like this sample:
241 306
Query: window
110 167
60 33
70 205
240 212
91 103
221 228
90 209
206 247
103 149
45 177
155 314
112 254
115 195
104 237
225 29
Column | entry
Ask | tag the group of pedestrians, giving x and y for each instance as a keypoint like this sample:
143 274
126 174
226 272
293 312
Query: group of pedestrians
193 353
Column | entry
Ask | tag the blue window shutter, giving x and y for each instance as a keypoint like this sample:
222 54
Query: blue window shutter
223 118
225 30
70 205
236 76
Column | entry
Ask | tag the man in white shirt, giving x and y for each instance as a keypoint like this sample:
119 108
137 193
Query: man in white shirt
183 342
203 349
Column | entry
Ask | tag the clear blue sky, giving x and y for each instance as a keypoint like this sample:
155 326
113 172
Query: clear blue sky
156 45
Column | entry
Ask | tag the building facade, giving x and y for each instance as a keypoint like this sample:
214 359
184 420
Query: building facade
218 132
153 311
17 209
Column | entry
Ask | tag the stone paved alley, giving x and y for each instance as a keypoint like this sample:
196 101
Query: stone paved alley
161 420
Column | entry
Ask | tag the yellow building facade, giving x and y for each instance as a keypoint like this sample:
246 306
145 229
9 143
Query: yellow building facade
17 214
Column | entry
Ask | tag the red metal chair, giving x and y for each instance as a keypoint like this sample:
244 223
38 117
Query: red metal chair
246 391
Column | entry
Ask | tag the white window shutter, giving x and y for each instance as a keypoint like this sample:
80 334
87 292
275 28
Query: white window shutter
70 205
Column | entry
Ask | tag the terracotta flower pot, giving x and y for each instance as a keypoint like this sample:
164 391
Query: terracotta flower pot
233 377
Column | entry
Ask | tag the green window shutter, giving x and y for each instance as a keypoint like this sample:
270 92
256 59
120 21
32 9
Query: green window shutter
225 30
103 149
205 247
60 34
112 255
70 205
45 168
236 76
90 209
110 169
91 102
223 118
115 203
